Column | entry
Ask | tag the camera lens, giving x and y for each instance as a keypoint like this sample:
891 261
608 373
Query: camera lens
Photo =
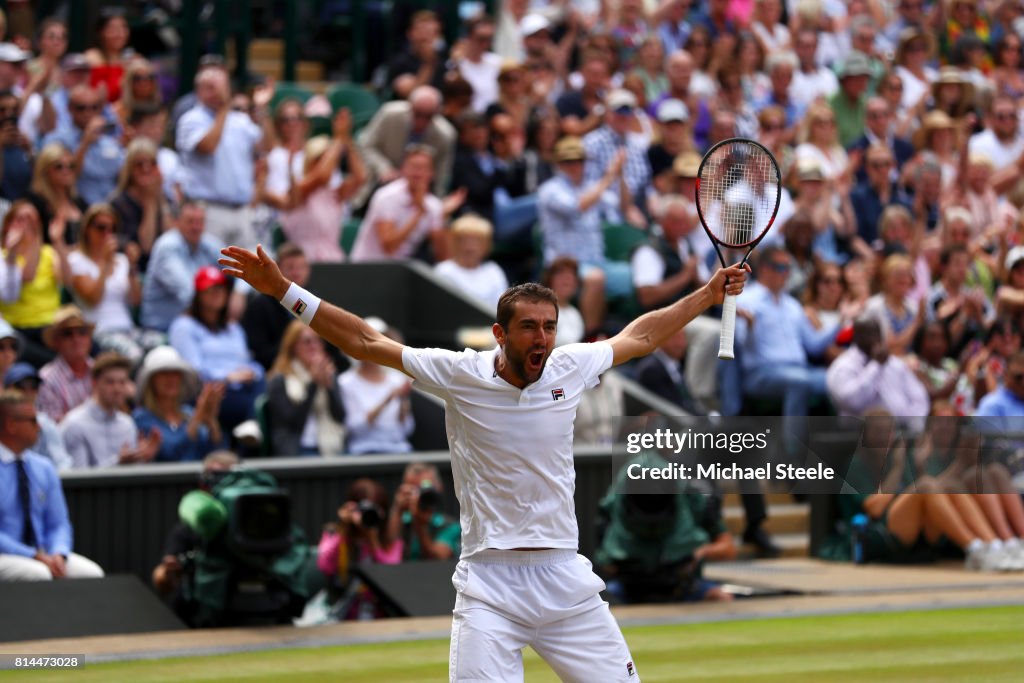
371 514
430 499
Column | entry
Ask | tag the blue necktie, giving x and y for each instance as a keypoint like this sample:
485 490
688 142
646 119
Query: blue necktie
28 533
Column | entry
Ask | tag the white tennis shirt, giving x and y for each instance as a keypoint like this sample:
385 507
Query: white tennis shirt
511 449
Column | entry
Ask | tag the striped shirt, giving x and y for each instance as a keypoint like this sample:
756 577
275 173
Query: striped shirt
62 389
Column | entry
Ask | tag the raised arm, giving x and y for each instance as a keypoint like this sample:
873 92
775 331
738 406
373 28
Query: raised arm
347 331
649 331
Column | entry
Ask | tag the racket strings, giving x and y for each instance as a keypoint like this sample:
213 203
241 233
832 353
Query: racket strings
738 192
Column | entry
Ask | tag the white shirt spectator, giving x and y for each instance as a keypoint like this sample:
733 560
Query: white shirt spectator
111 313
807 87
389 432
393 202
486 282
913 87
857 383
483 76
1001 153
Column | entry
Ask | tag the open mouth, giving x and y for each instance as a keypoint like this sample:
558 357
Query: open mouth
535 360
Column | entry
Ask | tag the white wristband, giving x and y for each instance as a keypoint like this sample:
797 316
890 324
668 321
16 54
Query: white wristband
300 303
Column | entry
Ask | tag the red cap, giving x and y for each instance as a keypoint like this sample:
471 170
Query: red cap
209 276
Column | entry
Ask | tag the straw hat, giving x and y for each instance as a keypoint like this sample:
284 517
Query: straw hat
910 34
570 149
953 75
933 121
68 317
686 165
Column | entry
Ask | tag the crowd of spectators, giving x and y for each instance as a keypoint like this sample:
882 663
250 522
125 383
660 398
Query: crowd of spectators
553 141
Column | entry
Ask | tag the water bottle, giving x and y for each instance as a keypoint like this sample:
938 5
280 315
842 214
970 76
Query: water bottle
858 539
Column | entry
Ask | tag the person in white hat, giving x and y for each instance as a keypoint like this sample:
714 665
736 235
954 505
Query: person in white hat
166 385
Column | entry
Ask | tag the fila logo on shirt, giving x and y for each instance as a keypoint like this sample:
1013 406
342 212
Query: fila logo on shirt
629 669
557 394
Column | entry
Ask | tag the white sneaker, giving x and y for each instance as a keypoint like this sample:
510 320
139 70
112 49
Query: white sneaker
986 559
1014 548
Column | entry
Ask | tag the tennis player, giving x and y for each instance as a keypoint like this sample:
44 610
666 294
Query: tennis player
509 418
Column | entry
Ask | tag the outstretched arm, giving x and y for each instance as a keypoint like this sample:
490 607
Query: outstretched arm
649 331
347 331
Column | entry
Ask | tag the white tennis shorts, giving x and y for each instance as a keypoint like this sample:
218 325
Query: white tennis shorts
547 599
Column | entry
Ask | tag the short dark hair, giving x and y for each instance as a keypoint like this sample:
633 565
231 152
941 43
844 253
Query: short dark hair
10 398
767 253
142 111
289 250
417 148
558 265
530 292
949 251
477 21
110 360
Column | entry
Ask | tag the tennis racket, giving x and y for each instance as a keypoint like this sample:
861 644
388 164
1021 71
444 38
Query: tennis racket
738 191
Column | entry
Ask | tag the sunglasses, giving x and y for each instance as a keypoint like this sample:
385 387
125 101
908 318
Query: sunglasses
145 163
289 119
103 226
29 384
1005 116
830 281
143 77
779 267
85 107
64 166
773 126
69 332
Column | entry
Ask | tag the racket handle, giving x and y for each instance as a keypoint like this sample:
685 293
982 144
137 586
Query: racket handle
725 346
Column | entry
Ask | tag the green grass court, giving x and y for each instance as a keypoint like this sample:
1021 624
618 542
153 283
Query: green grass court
934 645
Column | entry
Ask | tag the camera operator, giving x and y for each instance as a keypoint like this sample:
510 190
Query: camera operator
182 541
657 540
417 517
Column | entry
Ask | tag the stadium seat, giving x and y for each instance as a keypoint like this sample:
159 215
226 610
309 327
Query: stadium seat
361 102
289 91
349 231
620 240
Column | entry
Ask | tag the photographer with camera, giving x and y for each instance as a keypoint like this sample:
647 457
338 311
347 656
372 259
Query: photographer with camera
363 525
362 535
417 517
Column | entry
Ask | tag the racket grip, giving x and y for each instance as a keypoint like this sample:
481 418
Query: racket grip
725 343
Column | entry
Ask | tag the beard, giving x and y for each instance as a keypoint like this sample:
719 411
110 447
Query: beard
528 366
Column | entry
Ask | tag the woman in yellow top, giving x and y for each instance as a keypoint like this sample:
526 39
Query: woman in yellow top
31 275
